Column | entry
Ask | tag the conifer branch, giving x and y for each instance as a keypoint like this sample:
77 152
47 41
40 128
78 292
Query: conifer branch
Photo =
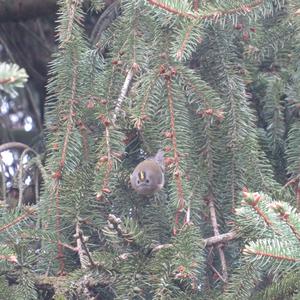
171 9
143 116
70 119
248 250
60 255
29 211
84 138
71 8
107 160
122 232
182 48
58 174
253 199
243 9
176 172
214 222
285 217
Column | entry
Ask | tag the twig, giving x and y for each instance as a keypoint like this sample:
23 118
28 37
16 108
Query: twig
11 145
124 91
216 271
83 251
211 241
159 247
213 218
221 238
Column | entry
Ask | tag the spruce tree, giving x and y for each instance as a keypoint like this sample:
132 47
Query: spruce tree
214 84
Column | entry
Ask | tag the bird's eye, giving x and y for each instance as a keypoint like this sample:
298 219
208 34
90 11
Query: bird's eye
138 182
147 181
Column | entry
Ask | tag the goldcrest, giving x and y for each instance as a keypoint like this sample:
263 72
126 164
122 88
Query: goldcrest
148 176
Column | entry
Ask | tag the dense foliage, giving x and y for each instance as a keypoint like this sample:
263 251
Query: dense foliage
215 84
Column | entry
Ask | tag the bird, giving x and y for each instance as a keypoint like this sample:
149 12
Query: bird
148 176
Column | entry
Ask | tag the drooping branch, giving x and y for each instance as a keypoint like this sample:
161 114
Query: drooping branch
177 173
70 123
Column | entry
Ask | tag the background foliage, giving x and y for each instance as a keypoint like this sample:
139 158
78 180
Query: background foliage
212 83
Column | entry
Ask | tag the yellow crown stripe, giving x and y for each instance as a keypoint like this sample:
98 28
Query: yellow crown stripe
142 176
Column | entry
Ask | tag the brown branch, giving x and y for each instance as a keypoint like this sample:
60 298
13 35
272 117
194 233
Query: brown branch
177 174
217 272
179 53
28 212
243 9
171 9
261 213
83 251
213 218
72 6
12 145
211 241
222 238
261 253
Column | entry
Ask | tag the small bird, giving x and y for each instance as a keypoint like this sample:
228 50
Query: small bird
148 176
